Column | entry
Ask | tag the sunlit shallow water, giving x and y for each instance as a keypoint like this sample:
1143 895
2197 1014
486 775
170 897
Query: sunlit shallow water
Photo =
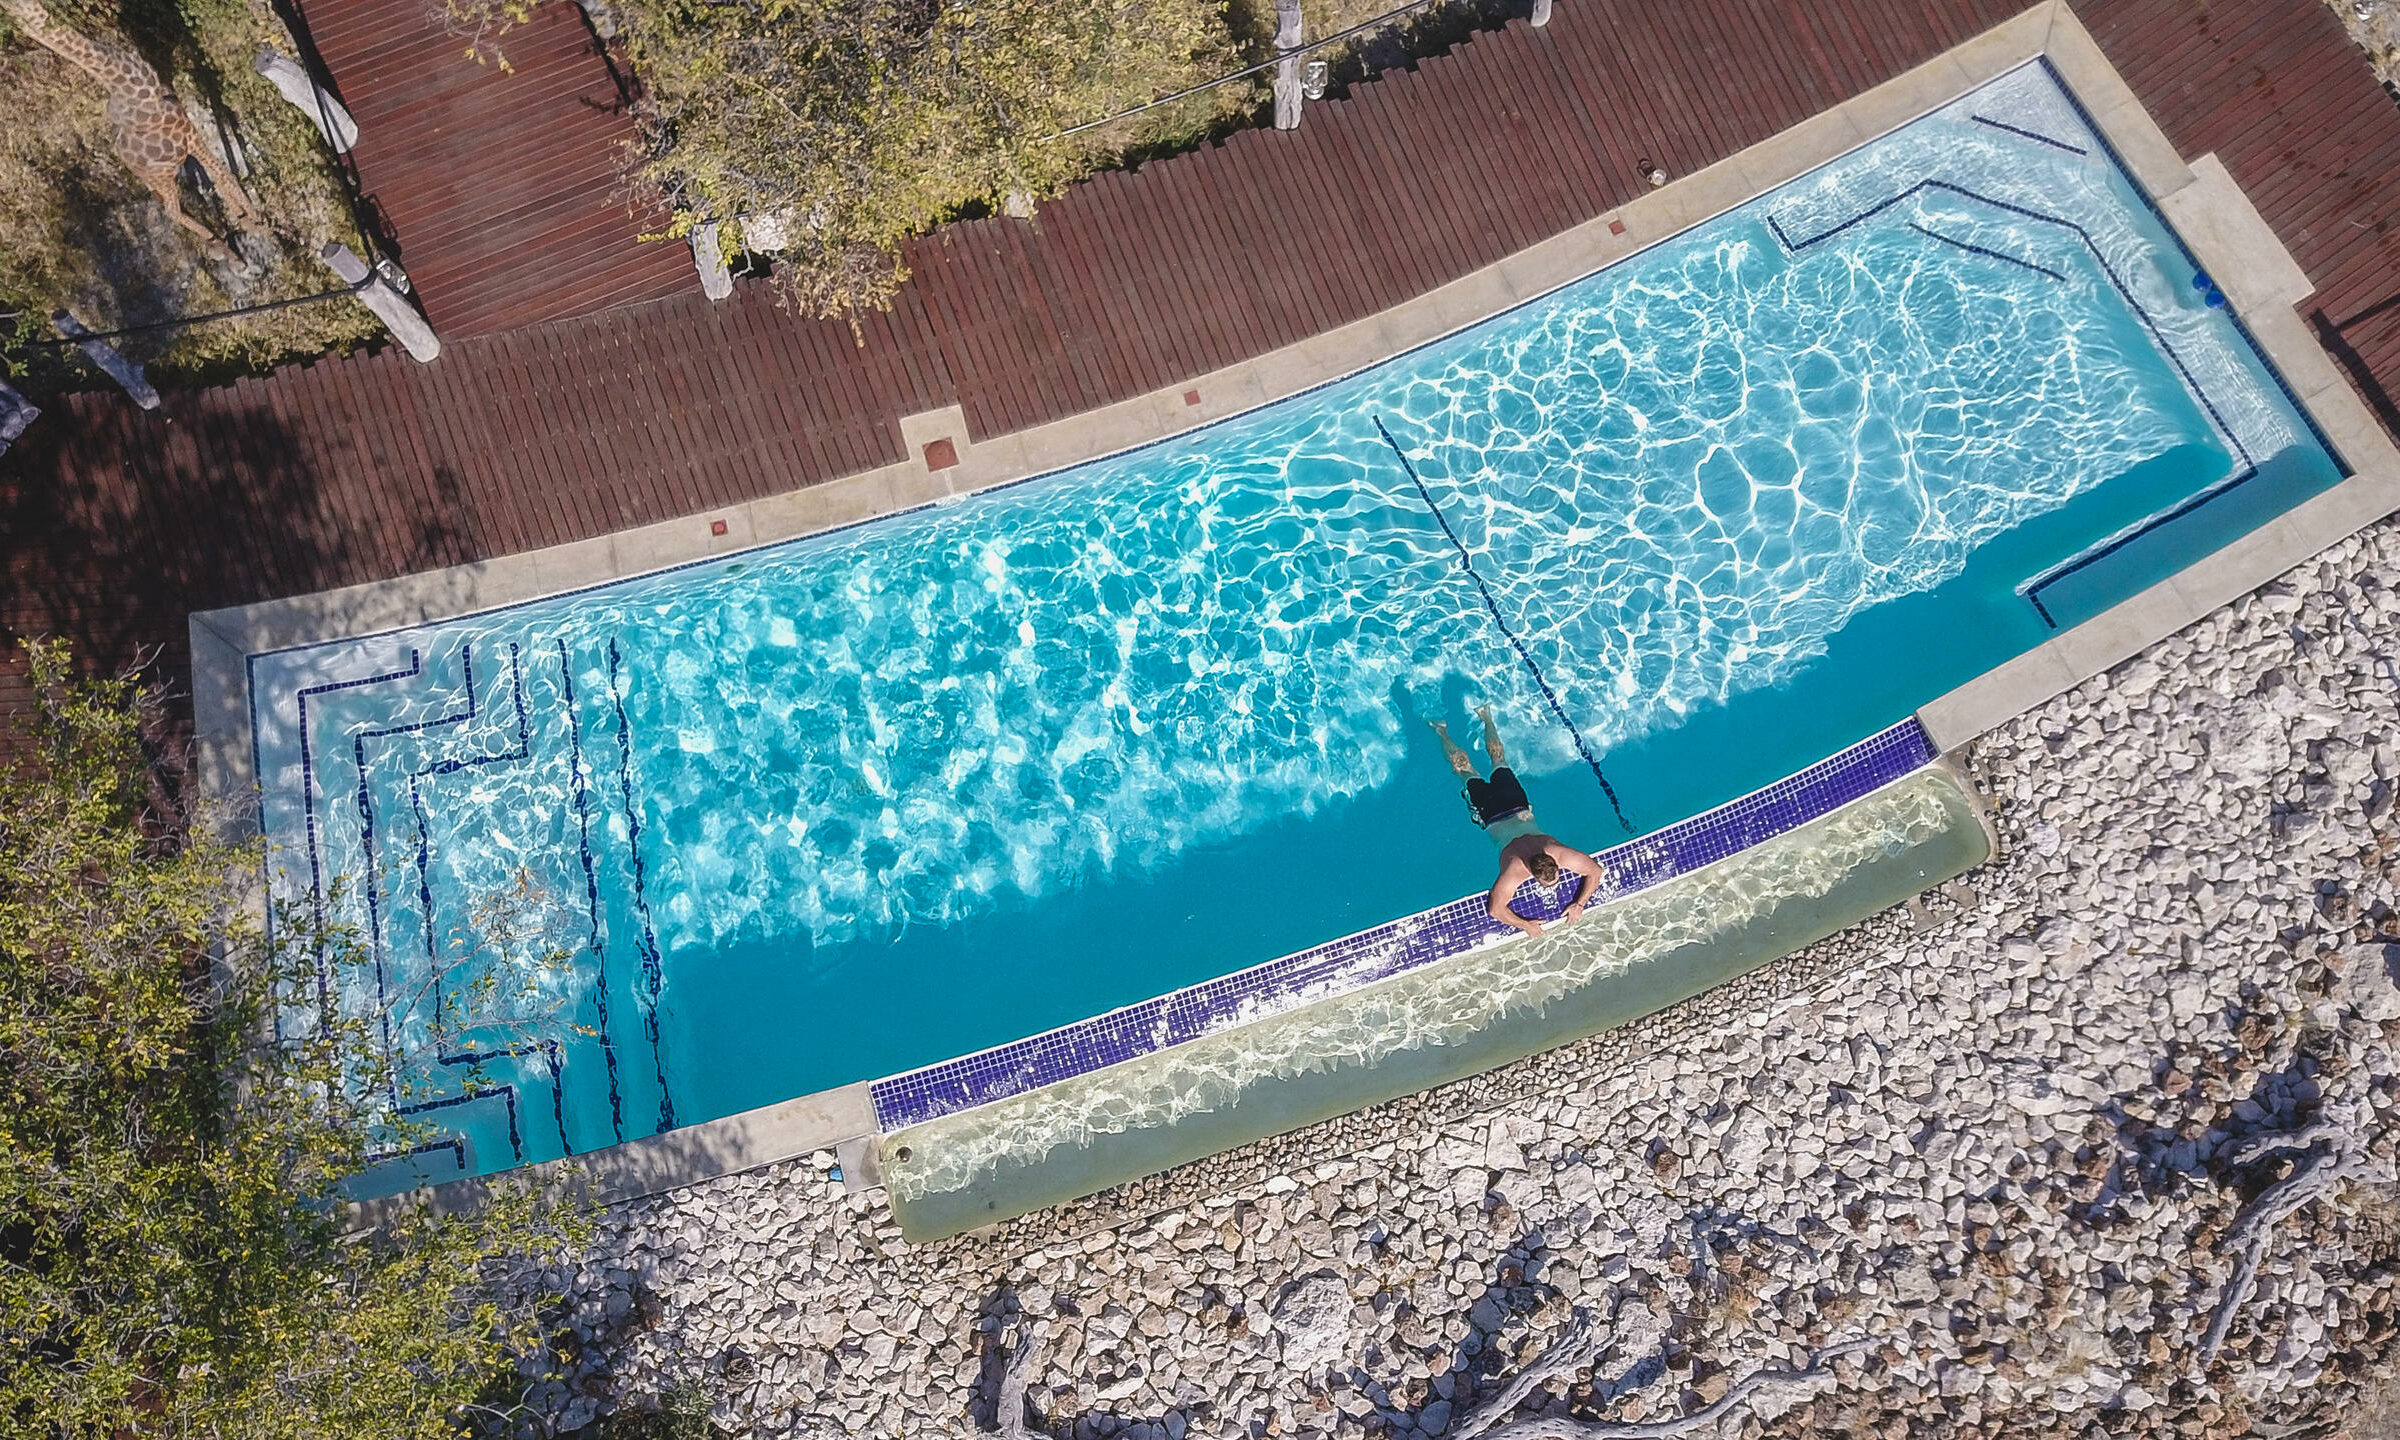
838 807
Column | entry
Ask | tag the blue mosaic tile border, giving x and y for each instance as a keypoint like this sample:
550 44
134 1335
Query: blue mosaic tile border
1339 966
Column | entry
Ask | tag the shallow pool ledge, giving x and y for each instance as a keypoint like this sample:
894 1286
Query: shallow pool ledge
1439 1023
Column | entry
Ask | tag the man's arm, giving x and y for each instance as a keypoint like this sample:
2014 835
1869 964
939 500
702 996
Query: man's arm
1571 859
1512 875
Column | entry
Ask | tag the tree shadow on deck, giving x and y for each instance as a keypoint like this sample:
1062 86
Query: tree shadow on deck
118 524
2337 337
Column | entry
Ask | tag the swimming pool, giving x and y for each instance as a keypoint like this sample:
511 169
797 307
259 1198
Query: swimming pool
840 807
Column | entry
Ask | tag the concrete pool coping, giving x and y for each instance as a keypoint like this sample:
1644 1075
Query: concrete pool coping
2200 200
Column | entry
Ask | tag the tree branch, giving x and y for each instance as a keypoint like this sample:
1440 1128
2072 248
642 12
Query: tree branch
1011 1423
1579 1349
1573 1354
1576 1351
2315 1176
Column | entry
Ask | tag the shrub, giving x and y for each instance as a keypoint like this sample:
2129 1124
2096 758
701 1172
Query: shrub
175 1263
829 131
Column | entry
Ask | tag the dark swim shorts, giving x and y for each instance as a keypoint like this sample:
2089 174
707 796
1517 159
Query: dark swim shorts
1496 798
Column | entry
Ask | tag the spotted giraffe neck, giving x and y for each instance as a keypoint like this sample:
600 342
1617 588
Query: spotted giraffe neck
106 63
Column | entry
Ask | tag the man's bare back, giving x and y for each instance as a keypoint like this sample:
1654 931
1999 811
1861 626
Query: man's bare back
1527 853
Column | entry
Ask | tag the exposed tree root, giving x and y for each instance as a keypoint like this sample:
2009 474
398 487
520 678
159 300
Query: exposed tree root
1573 1354
2316 1175
1577 1345
1013 1383
1576 1351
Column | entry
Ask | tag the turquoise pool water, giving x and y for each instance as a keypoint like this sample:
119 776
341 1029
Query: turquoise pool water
830 809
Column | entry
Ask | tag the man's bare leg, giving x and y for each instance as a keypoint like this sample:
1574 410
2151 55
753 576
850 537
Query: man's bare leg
1491 738
1459 759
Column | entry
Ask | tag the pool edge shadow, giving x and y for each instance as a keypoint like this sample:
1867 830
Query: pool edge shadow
835 1121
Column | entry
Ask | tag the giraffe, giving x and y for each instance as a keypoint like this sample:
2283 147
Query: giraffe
146 124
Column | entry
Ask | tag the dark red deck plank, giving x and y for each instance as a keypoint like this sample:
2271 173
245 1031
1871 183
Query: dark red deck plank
359 512
1069 367
1179 293
1273 295
1136 316
979 356
1264 194
965 324
1314 188
1557 106
795 382
1236 306
1780 89
994 276
1385 259
840 391
380 470
1577 130
549 467
1614 89
981 338
1501 150
1682 113
779 427
1417 225
517 370
1472 162
1177 195
502 189
1377 166
1455 211
1585 70
498 382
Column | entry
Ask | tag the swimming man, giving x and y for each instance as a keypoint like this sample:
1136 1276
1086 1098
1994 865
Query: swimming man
1526 853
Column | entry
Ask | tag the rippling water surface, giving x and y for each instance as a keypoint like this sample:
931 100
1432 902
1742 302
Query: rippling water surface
869 800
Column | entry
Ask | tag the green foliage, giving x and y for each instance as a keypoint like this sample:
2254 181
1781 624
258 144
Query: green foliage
171 1255
849 125
482 24
681 1414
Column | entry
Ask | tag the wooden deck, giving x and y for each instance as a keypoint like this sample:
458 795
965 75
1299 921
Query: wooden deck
118 523
502 190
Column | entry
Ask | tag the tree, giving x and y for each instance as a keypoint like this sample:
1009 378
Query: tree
829 131
172 1255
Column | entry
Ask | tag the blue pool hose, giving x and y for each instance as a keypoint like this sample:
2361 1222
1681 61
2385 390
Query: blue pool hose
1466 562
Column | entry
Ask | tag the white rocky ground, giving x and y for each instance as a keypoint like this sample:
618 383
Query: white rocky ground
2006 1135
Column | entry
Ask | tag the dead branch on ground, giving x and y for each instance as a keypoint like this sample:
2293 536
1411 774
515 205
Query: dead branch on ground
1575 1353
1013 1384
2316 1175
1743 1392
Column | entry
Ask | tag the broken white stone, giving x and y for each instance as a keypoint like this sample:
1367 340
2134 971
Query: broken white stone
1312 1320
